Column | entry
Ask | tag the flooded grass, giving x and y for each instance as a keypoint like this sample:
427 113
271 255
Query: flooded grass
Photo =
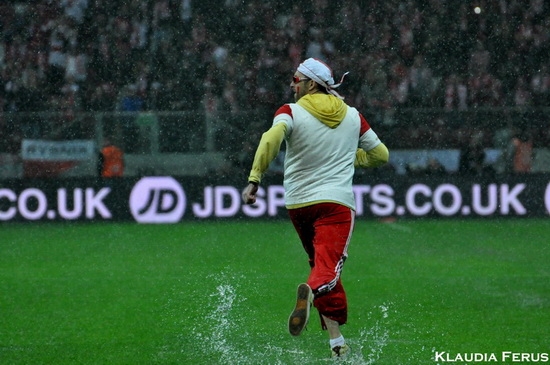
221 292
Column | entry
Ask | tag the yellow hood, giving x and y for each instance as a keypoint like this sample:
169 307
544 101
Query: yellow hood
327 108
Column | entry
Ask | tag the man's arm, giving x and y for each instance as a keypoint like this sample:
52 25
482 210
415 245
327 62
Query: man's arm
371 152
267 150
375 157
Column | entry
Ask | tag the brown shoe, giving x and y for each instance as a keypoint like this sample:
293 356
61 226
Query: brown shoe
300 315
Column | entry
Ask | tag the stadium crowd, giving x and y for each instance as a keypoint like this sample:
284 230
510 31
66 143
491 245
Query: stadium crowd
235 55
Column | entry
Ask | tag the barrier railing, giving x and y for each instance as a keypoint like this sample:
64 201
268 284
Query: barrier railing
154 135
198 131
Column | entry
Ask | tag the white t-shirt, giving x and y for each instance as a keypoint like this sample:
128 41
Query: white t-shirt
319 160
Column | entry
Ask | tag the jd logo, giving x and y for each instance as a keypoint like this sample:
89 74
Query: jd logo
157 200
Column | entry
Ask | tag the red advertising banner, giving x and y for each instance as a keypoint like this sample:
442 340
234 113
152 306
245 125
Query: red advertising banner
43 158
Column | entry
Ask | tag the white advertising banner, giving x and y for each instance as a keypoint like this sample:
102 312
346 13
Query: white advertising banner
42 150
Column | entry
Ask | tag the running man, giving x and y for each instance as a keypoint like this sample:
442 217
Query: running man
325 140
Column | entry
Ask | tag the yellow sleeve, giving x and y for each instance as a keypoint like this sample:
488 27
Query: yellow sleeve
378 156
267 150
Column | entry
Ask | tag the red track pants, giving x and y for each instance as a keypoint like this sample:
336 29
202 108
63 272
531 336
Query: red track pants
325 231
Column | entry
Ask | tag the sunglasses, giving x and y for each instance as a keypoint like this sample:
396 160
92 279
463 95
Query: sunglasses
297 80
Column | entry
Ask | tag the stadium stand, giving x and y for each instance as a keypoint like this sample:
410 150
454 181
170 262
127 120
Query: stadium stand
428 73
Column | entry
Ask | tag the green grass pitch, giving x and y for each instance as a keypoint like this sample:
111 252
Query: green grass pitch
221 292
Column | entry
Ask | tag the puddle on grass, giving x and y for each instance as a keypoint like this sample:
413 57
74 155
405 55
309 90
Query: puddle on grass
221 330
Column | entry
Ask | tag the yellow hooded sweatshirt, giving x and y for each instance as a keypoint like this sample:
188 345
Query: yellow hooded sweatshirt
330 110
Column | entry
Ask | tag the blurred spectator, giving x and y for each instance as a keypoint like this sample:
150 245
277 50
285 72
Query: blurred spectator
540 85
434 167
100 98
456 93
479 60
62 36
186 15
70 99
130 103
75 65
130 100
484 90
399 85
74 9
110 161
374 97
503 140
421 83
522 94
319 46
523 152
472 157
161 24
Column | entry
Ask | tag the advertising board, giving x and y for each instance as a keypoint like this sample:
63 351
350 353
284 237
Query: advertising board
168 199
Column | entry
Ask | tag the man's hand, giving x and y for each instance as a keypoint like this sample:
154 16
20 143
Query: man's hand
249 193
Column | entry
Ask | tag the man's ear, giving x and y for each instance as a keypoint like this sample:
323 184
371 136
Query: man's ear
312 85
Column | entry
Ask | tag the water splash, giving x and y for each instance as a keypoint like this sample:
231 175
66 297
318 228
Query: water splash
372 339
222 322
225 329
222 333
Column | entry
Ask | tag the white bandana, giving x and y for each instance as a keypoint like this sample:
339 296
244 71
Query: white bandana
319 72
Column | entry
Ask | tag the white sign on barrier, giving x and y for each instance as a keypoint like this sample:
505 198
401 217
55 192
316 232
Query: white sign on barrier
42 150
